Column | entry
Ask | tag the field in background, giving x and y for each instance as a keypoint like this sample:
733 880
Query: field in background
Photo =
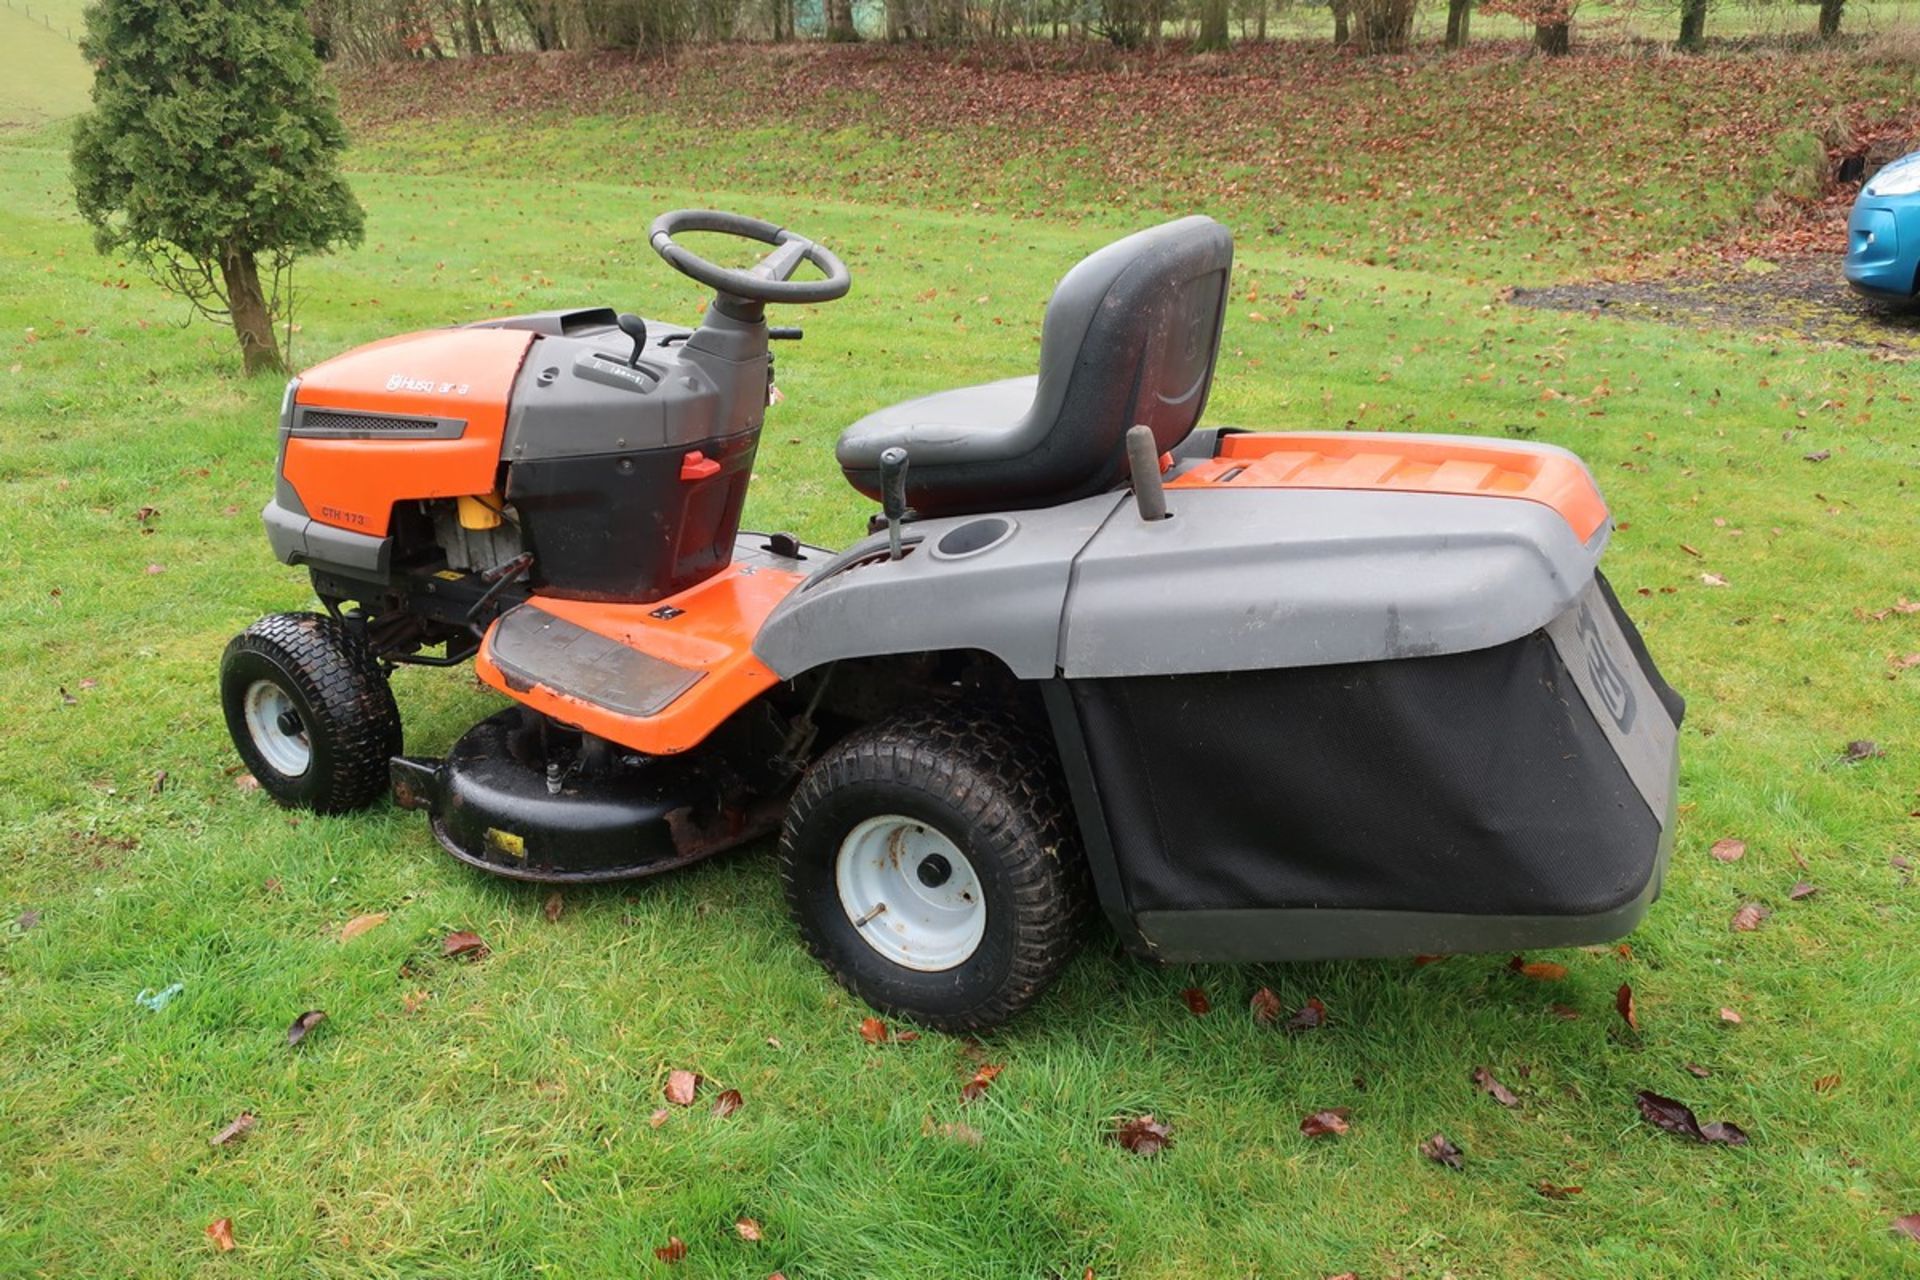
493 1119
42 76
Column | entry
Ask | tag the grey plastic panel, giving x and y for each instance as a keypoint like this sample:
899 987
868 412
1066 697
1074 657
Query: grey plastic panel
533 647
1257 578
1005 600
1616 691
297 538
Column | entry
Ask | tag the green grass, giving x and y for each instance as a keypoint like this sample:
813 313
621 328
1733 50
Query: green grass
502 1129
42 75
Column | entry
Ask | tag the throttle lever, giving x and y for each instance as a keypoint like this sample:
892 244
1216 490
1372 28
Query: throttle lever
893 495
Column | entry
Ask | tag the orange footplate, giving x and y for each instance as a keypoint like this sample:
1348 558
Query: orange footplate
656 677
1412 464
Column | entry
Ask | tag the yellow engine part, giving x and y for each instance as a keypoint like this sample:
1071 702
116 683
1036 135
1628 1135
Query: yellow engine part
480 513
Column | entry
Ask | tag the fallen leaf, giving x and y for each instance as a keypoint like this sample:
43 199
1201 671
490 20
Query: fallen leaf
1729 1015
1907 1225
673 1251
1308 1016
1538 970
957 1131
1729 850
303 1024
463 945
241 1125
1439 1148
681 1087
1552 1192
360 924
1322 1123
874 1031
414 1001
1493 1088
1677 1117
976 1088
1197 1003
1827 1084
68 698
1695 1070
1623 1001
728 1102
555 905
748 1230
658 1118
28 919
156 568
1265 1006
1421 962
1692 551
1749 918
1801 890
246 782
1566 1013
1820 455
220 1231
1861 749
1143 1135
1713 580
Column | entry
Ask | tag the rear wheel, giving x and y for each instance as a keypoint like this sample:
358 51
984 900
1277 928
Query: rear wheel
310 712
931 866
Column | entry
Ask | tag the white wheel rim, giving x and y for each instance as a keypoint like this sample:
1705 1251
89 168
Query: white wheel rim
910 893
267 703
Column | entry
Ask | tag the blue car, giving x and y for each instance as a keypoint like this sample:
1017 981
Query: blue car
1883 235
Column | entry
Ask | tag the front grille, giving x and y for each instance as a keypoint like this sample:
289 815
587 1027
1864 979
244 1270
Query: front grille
334 422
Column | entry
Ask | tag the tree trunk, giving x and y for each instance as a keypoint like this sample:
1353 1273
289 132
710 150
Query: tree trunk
1553 39
840 28
488 28
1341 33
247 305
1213 25
1693 23
1459 18
1260 30
470 27
1830 18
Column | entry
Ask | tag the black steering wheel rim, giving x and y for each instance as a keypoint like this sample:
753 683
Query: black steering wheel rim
744 282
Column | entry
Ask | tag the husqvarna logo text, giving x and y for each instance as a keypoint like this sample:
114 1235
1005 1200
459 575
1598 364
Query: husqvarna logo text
401 382
1608 681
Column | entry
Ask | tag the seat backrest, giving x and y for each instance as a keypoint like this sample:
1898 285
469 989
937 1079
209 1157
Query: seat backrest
1131 336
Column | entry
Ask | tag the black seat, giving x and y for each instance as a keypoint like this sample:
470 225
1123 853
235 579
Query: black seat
1130 337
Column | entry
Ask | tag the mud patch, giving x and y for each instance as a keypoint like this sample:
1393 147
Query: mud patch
1800 296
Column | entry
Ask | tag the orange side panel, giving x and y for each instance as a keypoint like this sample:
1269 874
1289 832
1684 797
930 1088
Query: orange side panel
1357 460
710 629
443 373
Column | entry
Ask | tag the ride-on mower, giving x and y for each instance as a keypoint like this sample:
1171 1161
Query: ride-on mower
1259 696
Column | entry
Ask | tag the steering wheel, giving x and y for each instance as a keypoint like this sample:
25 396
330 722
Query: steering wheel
769 280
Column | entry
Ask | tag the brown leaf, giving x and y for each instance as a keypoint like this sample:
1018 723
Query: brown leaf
1729 850
1677 1117
237 1129
681 1087
1421 962
672 1251
1538 970
1713 580
1493 1088
1143 1135
1861 749
1322 1123
1801 890
1692 551
303 1024
1907 1225
554 906
360 924
1564 1012
1439 1148
976 1088
1552 1192
874 1031
1695 1070
463 945
1197 1003
1623 1001
413 1001
958 1131
220 1231
1749 918
246 782
1818 455
748 1230
658 1118
728 1102
1308 1016
1730 1015
1827 1084
1265 1006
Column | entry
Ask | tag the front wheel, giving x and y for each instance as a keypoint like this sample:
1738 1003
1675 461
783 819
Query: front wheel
310 712
930 863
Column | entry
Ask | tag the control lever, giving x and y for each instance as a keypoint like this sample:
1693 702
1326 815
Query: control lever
787 333
893 495
636 328
1143 460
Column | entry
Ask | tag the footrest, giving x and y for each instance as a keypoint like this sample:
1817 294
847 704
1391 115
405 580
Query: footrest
532 647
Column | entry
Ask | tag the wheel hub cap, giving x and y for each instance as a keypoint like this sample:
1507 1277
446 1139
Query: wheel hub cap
274 725
910 893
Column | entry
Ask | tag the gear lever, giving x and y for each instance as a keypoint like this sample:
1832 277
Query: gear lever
893 495
636 328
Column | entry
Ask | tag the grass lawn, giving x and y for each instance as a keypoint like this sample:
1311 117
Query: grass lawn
493 1119
42 75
